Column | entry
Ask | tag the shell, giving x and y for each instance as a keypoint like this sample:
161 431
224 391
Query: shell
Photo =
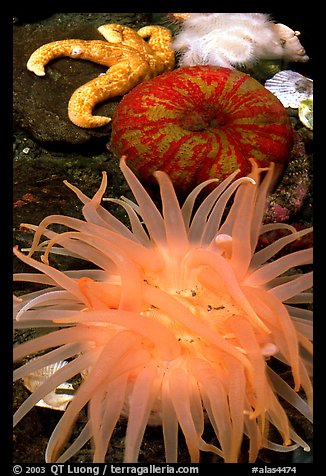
290 87
305 112
59 398
200 122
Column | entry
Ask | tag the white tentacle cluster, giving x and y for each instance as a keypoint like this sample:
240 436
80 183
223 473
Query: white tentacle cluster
234 39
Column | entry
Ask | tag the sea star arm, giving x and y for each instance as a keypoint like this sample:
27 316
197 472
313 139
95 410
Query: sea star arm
160 42
118 80
124 35
157 48
93 50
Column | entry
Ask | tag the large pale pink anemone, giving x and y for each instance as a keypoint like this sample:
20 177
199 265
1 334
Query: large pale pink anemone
176 323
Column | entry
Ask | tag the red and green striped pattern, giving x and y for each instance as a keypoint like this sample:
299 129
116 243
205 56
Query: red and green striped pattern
200 122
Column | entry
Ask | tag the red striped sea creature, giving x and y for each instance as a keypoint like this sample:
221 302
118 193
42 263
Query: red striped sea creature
200 122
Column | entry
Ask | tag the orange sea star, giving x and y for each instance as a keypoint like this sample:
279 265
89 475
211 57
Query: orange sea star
129 57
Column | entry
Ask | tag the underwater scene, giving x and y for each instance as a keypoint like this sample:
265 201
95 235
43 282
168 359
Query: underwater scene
162 214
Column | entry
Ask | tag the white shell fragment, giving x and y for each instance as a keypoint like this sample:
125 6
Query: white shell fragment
59 398
290 87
